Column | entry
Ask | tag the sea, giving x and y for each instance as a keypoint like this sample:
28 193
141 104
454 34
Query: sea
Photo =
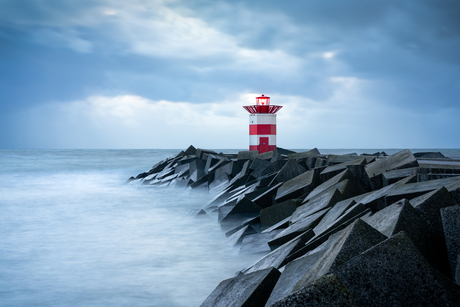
74 233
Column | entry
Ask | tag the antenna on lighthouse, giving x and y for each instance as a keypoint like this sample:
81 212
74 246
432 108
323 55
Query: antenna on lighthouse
262 124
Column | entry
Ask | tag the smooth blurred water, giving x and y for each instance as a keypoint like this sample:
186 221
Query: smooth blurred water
73 234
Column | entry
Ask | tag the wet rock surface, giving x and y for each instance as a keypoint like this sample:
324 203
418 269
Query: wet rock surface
331 230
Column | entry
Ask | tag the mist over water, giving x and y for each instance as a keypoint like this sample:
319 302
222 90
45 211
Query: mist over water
74 234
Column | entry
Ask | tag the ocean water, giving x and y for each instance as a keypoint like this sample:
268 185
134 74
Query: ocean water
72 233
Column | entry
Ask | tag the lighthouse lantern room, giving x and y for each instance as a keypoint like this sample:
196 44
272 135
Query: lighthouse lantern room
262 124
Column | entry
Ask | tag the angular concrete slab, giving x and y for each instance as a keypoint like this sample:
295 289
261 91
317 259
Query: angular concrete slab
295 229
266 199
394 273
335 169
305 154
324 200
242 211
291 275
237 237
340 159
411 190
402 159
401 216
190 150
333 214
277 258
257 243
297 186
276 213
346 174
244 290
290 170
326 291
429 206
353 240
451 224
398 174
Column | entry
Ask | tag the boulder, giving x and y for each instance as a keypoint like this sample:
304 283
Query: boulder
326 291
394 273
451 224
244 290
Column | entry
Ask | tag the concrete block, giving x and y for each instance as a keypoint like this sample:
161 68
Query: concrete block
399 160
197 165
305 154
346 174
412 190
237 237
451 224
398 174
335 169
353 240
289 170
324 200
340 159
243 210
429 155
429 207
280 225
244 290
401 216
247 154
221 163
265 156
190 150
333 214
278 212
457 271
295 229
393 273
257 243
291 275
266 199
326 291
200 152
277 258
273 167
197 174
358 171
297 186
211 161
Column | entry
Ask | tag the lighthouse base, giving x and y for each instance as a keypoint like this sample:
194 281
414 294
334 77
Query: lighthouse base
263 146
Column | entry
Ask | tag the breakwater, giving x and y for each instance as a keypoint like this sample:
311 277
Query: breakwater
342 230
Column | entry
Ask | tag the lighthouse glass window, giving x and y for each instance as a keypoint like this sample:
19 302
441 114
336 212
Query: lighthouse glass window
263 101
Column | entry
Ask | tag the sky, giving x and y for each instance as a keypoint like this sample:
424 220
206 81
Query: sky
170 73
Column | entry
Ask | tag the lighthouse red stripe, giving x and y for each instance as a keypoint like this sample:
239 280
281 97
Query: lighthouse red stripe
262 129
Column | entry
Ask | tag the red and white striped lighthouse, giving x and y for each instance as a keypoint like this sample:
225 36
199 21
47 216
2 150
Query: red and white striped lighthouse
262 125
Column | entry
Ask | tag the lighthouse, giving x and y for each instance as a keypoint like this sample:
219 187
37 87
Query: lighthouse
262 124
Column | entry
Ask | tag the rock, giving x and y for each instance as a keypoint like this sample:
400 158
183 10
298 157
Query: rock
201 152
394 273
351 241
231 169
429 206
264 156
257 243
266 199
457 271
276 213
295 229
326 291
401 216
297 186
451 224
358 171
247 155
398 174
306 154
244 210
244 290
291 275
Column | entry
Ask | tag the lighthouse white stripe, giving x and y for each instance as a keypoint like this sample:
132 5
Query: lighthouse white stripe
262 119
